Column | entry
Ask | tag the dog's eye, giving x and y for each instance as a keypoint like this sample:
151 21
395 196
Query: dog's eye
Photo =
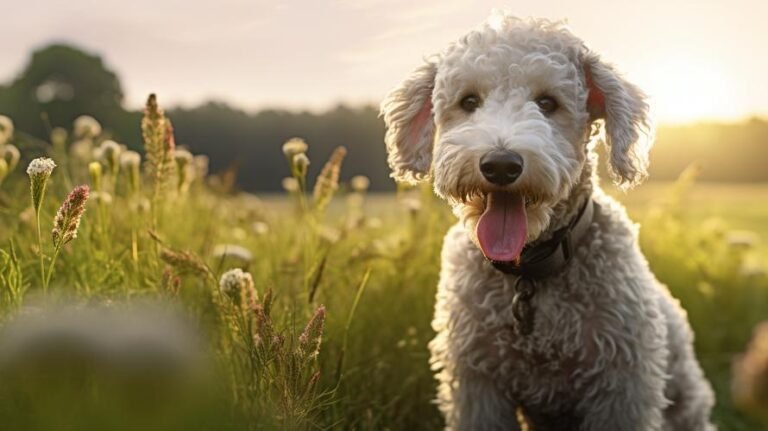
470 103
547 104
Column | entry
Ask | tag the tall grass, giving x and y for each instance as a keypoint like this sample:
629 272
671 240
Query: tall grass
316 308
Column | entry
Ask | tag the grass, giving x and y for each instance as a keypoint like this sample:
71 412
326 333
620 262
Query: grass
356 279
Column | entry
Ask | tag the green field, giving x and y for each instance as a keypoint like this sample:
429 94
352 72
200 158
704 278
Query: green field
371 261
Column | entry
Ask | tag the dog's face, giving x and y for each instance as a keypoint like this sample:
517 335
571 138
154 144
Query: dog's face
501 122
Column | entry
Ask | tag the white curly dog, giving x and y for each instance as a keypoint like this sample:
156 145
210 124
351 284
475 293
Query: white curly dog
547 313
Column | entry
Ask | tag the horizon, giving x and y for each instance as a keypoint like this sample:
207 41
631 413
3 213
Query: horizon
256 56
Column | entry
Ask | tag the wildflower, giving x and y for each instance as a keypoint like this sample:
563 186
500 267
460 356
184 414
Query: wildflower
412 204
236 283
67 219
300 165
328 180
236 252
294 146
39 170
360 183
109 154
130 162
94 168
750 373
290 184
310 338
86 127
11 156
184 169
6 129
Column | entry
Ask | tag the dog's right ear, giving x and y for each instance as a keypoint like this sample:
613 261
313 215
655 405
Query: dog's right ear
407 112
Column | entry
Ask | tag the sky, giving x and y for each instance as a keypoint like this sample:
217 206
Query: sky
699 60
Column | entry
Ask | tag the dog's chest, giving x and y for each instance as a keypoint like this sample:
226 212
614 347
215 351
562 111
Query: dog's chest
540 368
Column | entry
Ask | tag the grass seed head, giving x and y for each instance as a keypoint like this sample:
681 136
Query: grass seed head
310 338
67 220
328 180
39 171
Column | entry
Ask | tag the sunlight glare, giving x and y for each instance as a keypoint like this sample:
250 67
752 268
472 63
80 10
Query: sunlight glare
689 89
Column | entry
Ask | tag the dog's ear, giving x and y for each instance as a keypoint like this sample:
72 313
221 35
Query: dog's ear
624 108
407 112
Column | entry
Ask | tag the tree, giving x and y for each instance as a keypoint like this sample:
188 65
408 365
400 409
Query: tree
62 82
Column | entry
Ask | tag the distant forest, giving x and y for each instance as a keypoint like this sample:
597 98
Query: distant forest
61 82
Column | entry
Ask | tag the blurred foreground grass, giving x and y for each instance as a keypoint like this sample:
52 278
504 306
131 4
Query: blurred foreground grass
337 269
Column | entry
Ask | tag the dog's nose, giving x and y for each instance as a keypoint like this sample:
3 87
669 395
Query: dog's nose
501 167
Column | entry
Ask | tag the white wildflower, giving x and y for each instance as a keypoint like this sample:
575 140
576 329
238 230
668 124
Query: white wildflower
360 183
294 146
234 282
223 251
87 127
129 159
40 166
290 184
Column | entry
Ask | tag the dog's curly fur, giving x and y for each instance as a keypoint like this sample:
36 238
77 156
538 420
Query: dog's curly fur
611 349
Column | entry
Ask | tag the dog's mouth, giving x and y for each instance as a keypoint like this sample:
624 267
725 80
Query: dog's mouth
503 227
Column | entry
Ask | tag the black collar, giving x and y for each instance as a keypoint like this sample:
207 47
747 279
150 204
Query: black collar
551 256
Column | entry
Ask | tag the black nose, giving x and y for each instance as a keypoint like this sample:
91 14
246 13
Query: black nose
501 167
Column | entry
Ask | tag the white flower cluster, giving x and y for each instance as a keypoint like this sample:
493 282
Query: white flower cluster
294 146
40 166
235 281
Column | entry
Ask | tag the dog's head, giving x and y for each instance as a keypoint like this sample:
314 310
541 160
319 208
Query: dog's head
501 123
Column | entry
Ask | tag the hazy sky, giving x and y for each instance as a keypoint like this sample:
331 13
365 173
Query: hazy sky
698 59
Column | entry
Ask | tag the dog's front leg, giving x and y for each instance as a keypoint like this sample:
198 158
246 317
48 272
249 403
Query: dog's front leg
480 405
627 397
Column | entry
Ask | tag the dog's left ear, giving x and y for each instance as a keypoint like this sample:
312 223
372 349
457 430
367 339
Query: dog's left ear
407 113
624 108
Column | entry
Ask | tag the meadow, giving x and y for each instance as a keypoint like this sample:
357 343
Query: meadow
314 306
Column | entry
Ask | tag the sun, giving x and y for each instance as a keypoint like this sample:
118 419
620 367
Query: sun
685 89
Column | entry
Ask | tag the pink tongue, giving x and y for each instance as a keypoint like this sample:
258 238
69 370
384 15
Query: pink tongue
503 228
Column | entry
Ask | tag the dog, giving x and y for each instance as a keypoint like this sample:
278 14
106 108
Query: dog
547 315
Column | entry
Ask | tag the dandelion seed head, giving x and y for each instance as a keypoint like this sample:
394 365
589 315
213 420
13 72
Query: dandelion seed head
41 166
294 146
290 184
129 159
360 183
11 155
87 127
